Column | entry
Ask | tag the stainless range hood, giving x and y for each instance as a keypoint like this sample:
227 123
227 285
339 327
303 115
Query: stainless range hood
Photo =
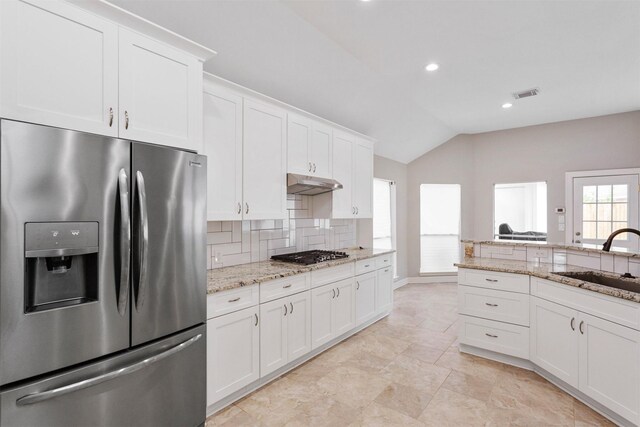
310 185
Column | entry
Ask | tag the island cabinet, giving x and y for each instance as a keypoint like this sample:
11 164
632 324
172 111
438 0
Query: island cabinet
64 65
587 340
597 357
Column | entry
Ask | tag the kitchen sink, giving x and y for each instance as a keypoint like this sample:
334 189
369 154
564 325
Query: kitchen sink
612 282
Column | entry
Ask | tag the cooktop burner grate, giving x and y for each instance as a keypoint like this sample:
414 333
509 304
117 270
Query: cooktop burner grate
310 257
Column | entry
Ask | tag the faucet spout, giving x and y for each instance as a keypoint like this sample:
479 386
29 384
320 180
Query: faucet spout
607 245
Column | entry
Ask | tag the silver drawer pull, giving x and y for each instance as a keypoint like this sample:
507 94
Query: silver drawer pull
491 280
386 270
367 265
491 305
286 286
491 336
234 299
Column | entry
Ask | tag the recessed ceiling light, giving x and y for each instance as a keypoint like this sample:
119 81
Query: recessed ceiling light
507 105
365 0
432 67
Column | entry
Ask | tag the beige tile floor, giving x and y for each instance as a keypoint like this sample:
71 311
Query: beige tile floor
405 370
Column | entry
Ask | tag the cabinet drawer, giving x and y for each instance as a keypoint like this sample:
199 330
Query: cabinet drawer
331 274
617 310
232 300
494 280
495 336
384 261
365 266
279 288
503 306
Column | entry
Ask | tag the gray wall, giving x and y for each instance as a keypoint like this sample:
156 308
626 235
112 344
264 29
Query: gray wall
384 168
534 153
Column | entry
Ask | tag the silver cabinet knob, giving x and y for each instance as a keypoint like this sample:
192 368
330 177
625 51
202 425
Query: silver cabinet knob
256 319
110 116
580 327
239 208
291 311
314 168
126 120
246 211
573 328
310 167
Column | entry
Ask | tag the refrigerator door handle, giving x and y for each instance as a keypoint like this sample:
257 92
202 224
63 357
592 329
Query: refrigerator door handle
125 242
144 244
90 382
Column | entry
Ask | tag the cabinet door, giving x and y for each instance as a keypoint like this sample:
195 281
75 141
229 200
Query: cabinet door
343 206
344 310
321 308
160 93
223 148
299 134
264 162
609 368
273 336
365 297
299 325
58 66
321 151
233 353
363 179
384 291
554 339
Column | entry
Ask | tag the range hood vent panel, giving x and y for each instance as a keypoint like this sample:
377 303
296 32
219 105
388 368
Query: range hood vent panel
310 185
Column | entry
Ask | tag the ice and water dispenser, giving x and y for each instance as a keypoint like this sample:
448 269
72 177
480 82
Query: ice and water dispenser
61 261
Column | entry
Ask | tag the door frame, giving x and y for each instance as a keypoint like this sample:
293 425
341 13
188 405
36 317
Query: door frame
568 192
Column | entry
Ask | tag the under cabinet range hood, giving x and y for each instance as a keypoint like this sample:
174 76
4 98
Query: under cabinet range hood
310 185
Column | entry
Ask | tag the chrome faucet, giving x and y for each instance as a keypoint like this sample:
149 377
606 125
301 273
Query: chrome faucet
607 245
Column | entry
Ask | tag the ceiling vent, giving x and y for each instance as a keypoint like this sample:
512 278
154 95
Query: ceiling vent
526 93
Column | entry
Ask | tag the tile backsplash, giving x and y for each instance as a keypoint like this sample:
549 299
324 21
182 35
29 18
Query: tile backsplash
239 242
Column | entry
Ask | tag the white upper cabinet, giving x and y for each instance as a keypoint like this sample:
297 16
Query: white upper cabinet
299 136
309 147
222 118
62 64
343 206
363 179
160 93
264 161
322 150
58 66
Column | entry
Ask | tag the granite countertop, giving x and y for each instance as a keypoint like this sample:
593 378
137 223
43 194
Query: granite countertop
545 271
223 279
584 247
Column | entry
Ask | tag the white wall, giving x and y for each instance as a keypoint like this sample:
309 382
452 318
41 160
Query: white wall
534 153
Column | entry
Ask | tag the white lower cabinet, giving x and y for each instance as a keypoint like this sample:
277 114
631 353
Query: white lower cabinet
384 289
285 331
333 311
365 297
597 357
554 341
233 353
609 361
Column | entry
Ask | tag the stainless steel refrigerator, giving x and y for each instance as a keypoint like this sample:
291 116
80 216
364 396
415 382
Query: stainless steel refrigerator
102 280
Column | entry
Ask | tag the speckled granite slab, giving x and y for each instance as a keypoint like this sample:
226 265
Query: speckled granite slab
545 271
222 279
574 247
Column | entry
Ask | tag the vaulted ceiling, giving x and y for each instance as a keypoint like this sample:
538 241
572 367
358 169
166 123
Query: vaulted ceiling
361 64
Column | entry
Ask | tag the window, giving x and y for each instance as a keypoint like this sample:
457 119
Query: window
520 211
439 227
384 224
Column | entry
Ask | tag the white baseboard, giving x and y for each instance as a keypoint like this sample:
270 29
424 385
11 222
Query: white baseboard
434 279
400 283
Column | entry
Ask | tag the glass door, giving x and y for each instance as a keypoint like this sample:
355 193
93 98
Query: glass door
602 205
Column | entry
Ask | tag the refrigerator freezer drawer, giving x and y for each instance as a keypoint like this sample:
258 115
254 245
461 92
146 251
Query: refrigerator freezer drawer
161 384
